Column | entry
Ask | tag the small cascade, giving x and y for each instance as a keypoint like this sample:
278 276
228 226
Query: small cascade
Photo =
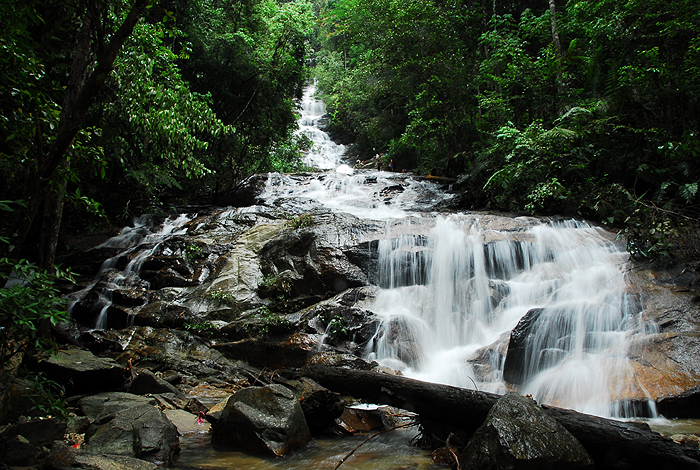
138 243
367 195
449 301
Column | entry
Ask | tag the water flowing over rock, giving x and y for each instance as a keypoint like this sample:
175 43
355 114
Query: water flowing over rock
452 293
370 269
325 153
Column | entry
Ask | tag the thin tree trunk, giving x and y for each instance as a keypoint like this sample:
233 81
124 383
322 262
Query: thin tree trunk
84 82
51 224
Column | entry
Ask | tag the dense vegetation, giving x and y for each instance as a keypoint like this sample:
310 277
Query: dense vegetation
588 108
119 107
559 107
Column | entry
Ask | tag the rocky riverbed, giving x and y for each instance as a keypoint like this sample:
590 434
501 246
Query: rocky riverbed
177 313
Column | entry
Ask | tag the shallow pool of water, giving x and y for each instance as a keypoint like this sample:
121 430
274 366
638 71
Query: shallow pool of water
668 427
388 451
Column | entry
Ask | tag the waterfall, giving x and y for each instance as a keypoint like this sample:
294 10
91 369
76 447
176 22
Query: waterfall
472 300
448 302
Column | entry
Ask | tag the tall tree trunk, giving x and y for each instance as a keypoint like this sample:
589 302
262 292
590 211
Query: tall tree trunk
87 75
557 43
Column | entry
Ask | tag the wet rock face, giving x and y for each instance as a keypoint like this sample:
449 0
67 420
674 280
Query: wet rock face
265 420
312 266
224 273
516 364
104 406
78 369
129 425
518 434
666 363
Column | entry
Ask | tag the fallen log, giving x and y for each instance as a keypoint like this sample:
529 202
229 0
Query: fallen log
611 444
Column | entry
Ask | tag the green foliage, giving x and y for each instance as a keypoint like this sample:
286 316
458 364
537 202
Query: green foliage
336 330
221 296
202 328
30 297
267 322
29 302
200 91
654 234
249 57
301 221
271 284
47 397
480 92
193 252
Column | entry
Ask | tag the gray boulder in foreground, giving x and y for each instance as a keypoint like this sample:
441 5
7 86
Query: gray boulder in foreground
518 434
102 407
142 431
262 420
65 457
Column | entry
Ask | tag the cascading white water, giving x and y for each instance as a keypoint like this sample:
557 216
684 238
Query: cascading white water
138 243
449 301
450 296
325 154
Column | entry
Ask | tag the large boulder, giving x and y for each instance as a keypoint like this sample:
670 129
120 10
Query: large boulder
262 420
518 434
102 407
312 264
665 362
78 369
142 431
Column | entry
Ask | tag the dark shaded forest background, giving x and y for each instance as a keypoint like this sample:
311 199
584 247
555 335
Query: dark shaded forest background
109 109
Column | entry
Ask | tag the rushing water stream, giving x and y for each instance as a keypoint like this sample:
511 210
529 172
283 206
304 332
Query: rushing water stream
451 289
448 295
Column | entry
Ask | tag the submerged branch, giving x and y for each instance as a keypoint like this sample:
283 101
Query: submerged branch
393 428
